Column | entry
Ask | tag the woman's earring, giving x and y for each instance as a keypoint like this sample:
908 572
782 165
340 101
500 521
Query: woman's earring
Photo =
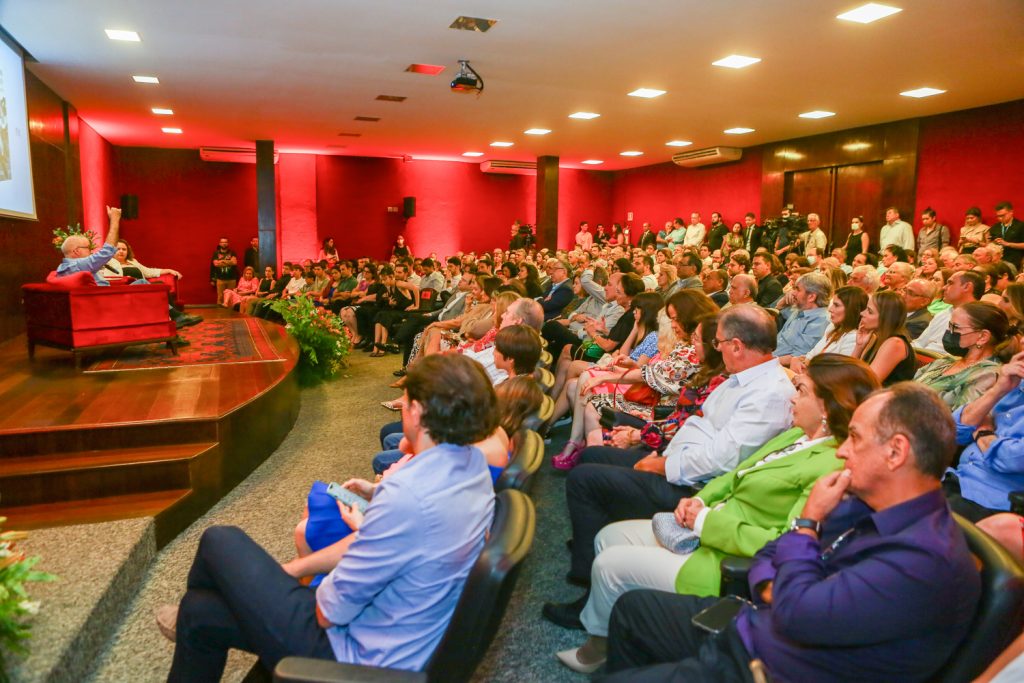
824 424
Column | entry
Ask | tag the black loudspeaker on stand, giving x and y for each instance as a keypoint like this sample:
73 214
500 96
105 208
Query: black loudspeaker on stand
409 207
129 206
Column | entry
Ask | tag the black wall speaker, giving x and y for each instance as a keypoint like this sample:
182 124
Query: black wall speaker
129 206
408 206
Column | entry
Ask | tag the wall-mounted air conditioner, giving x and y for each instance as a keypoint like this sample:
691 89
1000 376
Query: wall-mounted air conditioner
235 155
511 167
707 156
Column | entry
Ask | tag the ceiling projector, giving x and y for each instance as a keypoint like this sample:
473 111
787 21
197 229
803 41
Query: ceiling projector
467 80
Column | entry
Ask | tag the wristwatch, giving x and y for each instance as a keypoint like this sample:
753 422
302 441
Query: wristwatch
804 523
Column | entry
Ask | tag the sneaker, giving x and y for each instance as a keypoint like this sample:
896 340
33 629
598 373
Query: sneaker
400 372
167 621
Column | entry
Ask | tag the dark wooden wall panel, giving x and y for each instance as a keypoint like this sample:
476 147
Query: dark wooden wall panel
25 249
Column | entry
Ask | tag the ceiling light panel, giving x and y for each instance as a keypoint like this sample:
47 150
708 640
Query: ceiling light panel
120 34
647 93
738 131
736 61
592 162
537 131
584 115
922 92
172 131
501 143
678 143
473 24
161 111
425 69
145 79
817 114
865 14
631 153
472 154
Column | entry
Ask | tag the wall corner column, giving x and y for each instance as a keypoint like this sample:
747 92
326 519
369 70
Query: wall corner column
547 202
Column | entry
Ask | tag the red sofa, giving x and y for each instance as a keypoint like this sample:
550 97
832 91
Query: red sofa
74 313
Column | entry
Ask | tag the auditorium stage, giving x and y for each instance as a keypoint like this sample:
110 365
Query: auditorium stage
133 439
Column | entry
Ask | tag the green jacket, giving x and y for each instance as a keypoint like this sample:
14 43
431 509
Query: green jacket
758 507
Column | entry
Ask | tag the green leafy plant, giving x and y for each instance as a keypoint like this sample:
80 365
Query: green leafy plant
61 234
321 335
15 605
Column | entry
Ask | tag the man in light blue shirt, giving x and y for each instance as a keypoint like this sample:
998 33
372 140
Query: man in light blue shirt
812 294
79 257
397 578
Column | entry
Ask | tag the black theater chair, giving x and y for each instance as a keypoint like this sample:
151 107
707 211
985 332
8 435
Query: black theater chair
997 622
527 459
474 623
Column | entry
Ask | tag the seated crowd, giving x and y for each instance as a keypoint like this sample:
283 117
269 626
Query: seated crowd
727 392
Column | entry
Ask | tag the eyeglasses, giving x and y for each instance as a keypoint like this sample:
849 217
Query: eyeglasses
957 329
717 343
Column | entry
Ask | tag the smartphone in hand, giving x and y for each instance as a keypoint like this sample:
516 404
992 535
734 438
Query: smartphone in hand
339 492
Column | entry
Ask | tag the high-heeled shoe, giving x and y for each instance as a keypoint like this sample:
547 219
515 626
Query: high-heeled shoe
378 350
569 456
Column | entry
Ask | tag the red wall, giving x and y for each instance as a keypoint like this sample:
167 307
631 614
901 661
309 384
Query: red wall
584 196
185 205
296 203
665 191
971 158
97 161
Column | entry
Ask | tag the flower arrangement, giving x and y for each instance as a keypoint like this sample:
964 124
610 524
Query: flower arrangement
61 234
15 605
323 338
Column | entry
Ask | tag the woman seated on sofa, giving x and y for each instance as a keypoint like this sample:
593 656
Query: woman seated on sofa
247 286
124 264
327 521
979 342
263 288
734 514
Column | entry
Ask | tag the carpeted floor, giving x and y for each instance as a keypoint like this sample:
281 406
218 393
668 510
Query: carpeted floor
335 437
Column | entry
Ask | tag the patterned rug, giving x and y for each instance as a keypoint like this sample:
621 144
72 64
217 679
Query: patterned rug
212 342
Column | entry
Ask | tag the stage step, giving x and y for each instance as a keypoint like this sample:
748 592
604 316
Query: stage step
26 517
16 443
79 475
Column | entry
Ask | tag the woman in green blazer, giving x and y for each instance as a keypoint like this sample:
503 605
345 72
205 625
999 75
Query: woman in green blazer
734 514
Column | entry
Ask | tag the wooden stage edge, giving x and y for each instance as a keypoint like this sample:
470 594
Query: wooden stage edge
168 443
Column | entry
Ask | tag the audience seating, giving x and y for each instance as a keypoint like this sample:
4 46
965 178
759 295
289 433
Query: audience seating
997 622
476 618
72 313
545 358
525 462
925 356
545 379
428 299
538 422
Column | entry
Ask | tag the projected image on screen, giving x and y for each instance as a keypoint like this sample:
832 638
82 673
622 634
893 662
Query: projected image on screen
17 198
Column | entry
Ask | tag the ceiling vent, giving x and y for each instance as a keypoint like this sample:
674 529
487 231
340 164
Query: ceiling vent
510 167
235 155
707 156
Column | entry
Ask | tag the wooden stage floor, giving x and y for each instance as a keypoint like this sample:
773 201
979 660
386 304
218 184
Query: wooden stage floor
82 447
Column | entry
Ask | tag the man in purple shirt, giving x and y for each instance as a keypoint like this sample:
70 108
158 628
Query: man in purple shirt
389 599
878 585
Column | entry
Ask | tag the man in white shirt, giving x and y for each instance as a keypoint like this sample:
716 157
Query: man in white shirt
432 277
961 288
745 411
521 312
815 236
896 231
694 232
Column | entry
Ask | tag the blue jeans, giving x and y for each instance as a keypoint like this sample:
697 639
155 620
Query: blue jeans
386 459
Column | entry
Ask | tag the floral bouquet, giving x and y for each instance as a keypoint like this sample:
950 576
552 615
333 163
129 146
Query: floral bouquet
15 571
323 338
61 234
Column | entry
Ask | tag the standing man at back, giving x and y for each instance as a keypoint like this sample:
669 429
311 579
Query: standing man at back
223 268
895 231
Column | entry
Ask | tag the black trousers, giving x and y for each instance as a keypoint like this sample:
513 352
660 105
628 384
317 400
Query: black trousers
962 506
407 331
599 494
650 638
239 597
558 337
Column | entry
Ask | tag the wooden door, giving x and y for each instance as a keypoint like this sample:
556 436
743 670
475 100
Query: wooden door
811 192
858 192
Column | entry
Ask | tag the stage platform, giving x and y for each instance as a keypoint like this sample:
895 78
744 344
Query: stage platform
164 442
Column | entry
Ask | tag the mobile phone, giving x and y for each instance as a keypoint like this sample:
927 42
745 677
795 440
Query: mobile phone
339 492
717 618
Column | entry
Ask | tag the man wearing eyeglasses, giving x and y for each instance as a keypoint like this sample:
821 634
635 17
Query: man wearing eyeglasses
961 287
560 294
78 257
917 294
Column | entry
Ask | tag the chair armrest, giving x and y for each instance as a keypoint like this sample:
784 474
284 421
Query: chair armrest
305 670
734 575
1017 502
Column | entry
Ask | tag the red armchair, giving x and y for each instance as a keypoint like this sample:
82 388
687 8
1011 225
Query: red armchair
73 313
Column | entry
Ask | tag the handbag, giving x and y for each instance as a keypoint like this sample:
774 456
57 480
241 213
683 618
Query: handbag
641 392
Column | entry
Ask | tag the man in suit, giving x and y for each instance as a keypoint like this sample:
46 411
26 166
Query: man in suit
648 237
752 233
917 294
560 294
769 290
1008 232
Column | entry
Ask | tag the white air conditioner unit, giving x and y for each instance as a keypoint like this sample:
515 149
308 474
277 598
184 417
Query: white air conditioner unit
708 156
235 155
510 167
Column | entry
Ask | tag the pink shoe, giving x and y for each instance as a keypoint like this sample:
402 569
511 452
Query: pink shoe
569 457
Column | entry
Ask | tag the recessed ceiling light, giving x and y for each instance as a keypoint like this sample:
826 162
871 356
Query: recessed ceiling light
592 162
817 114
127 36
738 131
922 92
585 115
856 146
145 79
678 143
865 14
537 131
472 154
647 92
160 111
425 69
631 153
736 61
501 143
473 24
172 131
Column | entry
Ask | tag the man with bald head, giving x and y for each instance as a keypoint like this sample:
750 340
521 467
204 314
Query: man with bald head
742 290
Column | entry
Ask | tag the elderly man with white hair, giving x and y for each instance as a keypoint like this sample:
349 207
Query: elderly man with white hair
812 295
866 278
